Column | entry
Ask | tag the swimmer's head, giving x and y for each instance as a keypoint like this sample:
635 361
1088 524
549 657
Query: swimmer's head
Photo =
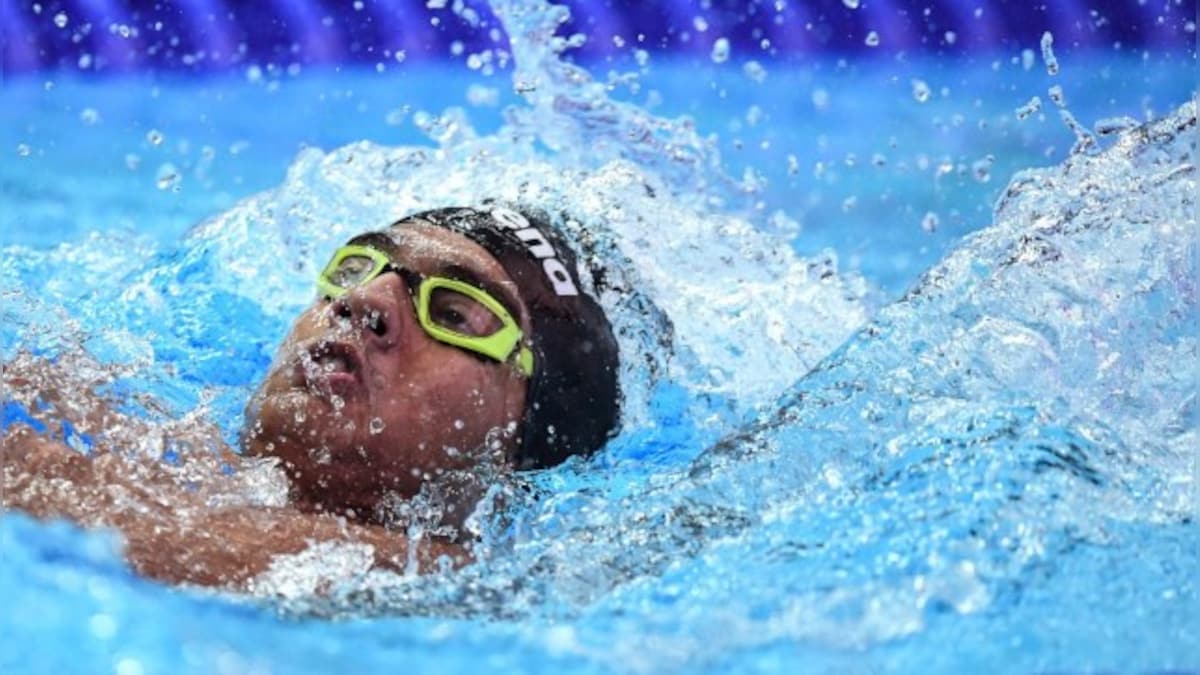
482 350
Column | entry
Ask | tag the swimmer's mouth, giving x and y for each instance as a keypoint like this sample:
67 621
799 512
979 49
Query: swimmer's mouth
333 365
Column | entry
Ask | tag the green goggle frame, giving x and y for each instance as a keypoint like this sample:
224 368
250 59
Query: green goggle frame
500 345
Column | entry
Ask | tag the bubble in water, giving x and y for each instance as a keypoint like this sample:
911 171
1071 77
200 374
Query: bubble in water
155 137
132 161
950 37
458 424
930 222
849 203
879 159
872 39
85 61
60 19
793 165
167 176
641 56
1048 53
375 426
358 5
700 24
720 50
920 91
1034 105
852 4
89 116
436 4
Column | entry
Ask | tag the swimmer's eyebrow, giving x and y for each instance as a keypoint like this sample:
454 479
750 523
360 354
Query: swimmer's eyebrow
380 240
493 288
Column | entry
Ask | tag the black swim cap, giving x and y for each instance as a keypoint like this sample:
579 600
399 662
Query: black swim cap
573 401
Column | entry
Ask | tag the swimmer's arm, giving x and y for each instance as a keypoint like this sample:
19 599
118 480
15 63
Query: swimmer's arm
170 533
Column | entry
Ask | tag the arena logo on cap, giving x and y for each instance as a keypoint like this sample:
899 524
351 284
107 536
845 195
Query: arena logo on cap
539 248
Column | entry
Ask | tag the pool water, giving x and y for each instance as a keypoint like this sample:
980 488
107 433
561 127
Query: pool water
916 384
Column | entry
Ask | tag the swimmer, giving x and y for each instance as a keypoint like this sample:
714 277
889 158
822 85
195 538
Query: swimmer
442 354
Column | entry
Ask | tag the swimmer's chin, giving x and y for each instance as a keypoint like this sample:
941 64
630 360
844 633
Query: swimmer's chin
298 416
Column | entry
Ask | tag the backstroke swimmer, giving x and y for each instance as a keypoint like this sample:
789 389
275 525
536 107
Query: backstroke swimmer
443 353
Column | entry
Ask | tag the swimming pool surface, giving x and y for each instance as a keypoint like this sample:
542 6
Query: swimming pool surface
917 377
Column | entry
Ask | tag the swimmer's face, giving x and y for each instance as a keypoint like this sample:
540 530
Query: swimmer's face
361 404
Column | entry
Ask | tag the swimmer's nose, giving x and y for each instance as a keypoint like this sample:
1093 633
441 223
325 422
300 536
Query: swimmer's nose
379 310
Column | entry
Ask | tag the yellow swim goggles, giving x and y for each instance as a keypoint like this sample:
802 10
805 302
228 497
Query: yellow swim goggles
449 310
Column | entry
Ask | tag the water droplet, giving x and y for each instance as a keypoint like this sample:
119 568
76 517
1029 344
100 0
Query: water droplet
1114 125
1056 95
1034 105
755 71
60 19
1028 59
930 222
820 98
396 117
103 626
154 136
920 91
376 426
983 169
851 4
320 454
23 150
872 39
89 116
1048 53
167 176
720 50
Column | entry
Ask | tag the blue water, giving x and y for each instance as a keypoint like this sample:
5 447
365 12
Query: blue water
862 445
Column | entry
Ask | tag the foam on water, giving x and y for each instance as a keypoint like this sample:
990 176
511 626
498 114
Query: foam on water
1009 448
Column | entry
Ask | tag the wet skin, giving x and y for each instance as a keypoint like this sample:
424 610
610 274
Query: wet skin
362 406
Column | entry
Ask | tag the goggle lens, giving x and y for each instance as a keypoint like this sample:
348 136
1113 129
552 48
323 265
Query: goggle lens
462 314
351 271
